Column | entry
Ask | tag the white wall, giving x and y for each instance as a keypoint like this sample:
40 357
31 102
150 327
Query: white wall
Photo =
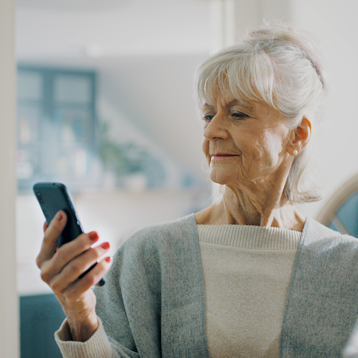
9 327
155 94
335 25
123 130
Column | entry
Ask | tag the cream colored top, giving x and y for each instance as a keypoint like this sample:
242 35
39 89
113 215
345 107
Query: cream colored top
247 270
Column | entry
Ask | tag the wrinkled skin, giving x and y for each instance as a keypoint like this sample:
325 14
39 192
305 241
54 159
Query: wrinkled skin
250 151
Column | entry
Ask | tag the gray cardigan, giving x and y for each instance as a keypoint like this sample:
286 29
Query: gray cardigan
153 303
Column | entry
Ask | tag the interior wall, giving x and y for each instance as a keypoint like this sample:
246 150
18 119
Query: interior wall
9 327
123 130
334 24
154 95
252 13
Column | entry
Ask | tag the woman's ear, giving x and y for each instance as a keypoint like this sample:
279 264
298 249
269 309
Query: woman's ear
301 137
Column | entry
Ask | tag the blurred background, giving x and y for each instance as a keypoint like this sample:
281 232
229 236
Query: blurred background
105 105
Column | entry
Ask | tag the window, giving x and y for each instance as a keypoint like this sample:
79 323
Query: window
57 136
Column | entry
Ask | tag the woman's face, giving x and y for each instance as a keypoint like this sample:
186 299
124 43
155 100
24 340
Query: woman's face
244 144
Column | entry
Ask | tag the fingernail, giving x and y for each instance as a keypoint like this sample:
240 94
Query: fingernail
108 259
93 236
59 216
105 245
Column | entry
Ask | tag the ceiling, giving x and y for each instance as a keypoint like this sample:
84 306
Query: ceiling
110 28
73 5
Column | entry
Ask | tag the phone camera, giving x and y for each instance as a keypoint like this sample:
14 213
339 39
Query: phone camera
40 198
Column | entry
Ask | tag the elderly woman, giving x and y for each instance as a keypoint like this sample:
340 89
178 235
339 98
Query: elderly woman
248 276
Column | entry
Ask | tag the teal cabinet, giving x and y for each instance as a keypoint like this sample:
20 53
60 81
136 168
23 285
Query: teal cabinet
40 317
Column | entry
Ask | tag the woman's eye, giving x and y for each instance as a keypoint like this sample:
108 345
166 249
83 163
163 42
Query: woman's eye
239 115
208 117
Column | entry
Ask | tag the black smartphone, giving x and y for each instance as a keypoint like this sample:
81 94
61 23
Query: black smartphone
52 198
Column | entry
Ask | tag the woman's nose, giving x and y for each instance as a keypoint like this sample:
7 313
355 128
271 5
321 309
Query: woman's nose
216 128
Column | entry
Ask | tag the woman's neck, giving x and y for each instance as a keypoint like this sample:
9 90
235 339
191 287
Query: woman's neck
252 208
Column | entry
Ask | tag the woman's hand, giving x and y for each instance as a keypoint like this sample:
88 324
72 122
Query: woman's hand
61 268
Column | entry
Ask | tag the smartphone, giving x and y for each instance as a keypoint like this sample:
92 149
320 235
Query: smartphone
52 198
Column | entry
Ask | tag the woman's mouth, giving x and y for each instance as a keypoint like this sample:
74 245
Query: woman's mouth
222 156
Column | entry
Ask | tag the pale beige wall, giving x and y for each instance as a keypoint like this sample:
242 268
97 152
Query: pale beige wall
9 327
334 24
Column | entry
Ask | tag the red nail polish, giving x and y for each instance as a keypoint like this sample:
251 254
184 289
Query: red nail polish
93 236
105 245
108 259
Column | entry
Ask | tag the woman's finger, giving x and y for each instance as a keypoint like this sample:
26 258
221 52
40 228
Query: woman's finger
78 266
52 233
71 250
90 279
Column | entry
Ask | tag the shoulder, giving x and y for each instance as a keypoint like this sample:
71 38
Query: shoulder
153 242
169 231
317 238
322 296
180 226
316 230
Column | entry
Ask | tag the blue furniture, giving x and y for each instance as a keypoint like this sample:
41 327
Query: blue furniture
40 317
341 211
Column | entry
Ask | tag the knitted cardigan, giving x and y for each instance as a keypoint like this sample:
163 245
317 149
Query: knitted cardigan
153 303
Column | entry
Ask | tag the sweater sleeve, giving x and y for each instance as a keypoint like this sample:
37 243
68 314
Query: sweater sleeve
97 346
127 308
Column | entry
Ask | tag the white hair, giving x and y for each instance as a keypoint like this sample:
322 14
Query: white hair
283 68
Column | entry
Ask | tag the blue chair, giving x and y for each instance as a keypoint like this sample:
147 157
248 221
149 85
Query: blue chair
341 211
